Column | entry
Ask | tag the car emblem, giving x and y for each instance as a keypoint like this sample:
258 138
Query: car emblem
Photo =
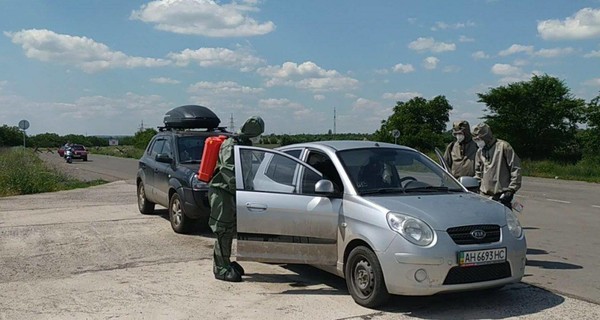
478 234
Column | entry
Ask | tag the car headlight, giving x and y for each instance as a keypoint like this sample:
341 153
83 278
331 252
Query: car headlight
196 184
514 226
412 229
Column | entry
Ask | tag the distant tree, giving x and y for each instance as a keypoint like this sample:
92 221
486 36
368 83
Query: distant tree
591 136
141 138
10 136
46 140
421 123
537 117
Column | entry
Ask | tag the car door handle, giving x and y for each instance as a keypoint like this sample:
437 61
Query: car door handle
255 207
156 170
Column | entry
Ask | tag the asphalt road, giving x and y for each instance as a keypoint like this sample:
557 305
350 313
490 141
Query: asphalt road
89 254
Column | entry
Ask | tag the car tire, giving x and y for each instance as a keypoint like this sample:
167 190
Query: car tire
145 206
364 278
179 221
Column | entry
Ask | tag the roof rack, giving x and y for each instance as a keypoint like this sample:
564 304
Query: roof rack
217 129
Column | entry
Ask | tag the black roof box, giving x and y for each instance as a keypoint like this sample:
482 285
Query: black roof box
191 117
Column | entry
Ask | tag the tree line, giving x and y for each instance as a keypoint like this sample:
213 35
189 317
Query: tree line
540 118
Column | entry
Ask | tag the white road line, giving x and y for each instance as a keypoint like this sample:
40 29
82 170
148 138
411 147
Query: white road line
596 206
561 201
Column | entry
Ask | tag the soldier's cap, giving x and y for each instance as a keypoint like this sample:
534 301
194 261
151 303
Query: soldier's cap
461 126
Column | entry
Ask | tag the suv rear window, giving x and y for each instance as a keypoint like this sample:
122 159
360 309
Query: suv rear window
190 148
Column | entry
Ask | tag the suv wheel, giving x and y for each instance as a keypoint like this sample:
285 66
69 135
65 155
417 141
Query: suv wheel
145 206
179 221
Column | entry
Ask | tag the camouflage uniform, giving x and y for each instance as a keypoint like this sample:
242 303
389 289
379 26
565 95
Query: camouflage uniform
497 166
222 188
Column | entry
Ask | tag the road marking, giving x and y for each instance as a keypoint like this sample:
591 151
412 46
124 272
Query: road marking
596 206
561 201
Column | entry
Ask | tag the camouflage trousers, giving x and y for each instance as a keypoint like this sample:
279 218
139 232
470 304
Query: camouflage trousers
222 222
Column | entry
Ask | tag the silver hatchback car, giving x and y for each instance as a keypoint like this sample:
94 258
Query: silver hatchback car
386 218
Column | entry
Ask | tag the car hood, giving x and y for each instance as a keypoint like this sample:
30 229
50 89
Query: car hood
447 210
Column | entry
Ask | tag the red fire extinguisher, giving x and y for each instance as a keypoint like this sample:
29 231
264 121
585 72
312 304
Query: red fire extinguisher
209 157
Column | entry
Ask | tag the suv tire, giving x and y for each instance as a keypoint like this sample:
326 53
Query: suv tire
179 221
145 206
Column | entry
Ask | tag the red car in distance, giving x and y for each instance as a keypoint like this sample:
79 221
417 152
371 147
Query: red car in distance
79 151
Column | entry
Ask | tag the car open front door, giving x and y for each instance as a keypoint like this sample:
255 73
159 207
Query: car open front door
441 160
280 218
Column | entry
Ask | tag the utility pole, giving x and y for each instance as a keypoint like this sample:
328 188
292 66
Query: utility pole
334 121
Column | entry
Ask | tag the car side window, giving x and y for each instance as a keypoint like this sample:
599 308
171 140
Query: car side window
276 173
157 147
294 153
167 148
323 164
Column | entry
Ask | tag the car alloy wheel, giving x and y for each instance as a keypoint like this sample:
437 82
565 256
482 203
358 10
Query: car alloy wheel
179 221
364 278
145 206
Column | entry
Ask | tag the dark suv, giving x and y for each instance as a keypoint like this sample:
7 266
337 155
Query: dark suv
167 172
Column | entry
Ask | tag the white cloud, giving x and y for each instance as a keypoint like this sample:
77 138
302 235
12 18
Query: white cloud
307 75
429 44
81 52
595 82
593 54
382 71
400 96
403 68
516 48
203 17
163 80
520 62
465 39
212 57
222 88
430 63
451 69
87 115
480 55
505 69
554 52
585 24
319 97
445 26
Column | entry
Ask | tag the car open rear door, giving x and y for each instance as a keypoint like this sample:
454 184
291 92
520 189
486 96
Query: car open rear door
280 218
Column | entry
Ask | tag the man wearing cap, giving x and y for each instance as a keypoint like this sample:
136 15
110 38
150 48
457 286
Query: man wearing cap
497 166
460 154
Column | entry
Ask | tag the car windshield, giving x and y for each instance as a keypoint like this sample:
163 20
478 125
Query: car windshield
190 148
392 170
76 147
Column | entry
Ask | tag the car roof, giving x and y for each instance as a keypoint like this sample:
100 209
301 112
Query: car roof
341 145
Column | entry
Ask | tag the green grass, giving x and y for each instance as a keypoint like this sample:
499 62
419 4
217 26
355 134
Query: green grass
118 151
22 172
585 170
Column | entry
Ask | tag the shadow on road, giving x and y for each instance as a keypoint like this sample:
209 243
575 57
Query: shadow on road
536 251
552 265
484 304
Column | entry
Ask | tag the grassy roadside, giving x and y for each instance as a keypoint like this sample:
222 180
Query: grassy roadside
22 172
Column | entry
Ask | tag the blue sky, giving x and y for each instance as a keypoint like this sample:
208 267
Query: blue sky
102 67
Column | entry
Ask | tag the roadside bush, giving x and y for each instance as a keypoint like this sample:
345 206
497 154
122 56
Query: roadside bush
22 172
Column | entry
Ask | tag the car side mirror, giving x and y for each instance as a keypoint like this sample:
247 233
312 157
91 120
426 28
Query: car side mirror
469 182
324 187
164 158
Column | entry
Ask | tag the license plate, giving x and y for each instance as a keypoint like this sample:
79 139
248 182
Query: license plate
481 257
